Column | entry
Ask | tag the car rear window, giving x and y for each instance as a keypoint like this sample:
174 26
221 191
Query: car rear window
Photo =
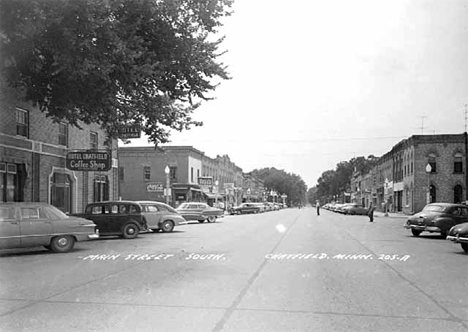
7 213
434 208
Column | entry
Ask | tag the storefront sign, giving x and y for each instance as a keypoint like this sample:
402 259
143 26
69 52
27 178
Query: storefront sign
154 187
87 161
205 181
130 131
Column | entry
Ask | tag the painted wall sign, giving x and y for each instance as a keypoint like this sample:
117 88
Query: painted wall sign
87 161
154 187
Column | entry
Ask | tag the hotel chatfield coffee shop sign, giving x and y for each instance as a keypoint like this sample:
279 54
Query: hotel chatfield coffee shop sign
89 160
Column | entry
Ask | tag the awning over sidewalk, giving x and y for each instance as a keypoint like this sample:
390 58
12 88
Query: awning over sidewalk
213 196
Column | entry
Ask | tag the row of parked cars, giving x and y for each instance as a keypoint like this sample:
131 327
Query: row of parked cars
254 207
32 224
346 208
448 219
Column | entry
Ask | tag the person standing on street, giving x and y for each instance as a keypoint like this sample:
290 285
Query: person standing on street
317 204
370 212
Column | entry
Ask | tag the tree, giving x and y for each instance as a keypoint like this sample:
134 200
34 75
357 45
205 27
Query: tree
284 183
145 62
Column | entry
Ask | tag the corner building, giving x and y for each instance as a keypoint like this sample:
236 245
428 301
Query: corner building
33 152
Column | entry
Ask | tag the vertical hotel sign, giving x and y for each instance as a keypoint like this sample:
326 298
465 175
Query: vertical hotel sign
88 161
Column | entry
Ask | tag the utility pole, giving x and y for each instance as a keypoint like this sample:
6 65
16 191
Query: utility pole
466 153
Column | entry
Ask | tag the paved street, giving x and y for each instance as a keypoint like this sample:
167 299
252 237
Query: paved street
287 270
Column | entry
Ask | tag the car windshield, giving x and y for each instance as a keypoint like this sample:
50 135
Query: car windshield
434 208
55 213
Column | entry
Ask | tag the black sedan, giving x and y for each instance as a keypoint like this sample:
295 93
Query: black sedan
437 218
245 208
459 234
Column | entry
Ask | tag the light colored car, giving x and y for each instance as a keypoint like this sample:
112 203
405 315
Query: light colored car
199 211
160 216
354 208
24 224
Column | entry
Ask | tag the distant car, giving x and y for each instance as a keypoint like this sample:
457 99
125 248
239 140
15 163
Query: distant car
160 216
459 234
122 218
199 211
437 218
354 208
25 224
245 208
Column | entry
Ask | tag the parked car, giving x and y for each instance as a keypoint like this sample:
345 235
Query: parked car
354 208
160 216
25 224
437 218
122 218
245 208
199 211
459 234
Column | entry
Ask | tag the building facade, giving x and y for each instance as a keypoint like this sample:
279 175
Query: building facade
143 173
33 158
416 171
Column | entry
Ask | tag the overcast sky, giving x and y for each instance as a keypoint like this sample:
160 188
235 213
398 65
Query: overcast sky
319 82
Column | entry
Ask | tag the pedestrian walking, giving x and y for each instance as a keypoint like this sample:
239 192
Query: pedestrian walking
317 204
370 212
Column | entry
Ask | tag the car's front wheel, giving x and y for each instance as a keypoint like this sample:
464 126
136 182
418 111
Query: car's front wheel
211 219
167 226
464 246
416 232
62 243
130 231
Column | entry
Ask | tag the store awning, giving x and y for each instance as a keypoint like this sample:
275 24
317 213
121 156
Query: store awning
213 196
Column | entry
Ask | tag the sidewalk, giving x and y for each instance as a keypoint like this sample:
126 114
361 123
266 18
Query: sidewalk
391 215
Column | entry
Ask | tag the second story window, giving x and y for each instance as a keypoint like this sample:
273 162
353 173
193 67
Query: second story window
146 173
173 173
63 134
22 123
458 163
432 161
191 174
93 138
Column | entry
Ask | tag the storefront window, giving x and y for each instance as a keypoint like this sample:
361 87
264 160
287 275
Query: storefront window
101 188
61 192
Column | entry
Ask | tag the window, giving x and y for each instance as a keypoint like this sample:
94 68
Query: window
60 192
101 188
7 214
173 173
63 134
198 174
146 173
432 161
457 194
121 173
32 213
458 163
22 123
191 174
93 138
432 194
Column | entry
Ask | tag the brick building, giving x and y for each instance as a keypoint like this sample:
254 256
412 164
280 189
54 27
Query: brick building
142 173
403 180
33 152
192 175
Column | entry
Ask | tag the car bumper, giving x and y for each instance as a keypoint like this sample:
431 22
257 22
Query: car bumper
458 238
94 236
422 228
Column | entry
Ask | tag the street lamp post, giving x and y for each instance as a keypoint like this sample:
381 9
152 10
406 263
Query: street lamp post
385 197
428 171
167 171
216 193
